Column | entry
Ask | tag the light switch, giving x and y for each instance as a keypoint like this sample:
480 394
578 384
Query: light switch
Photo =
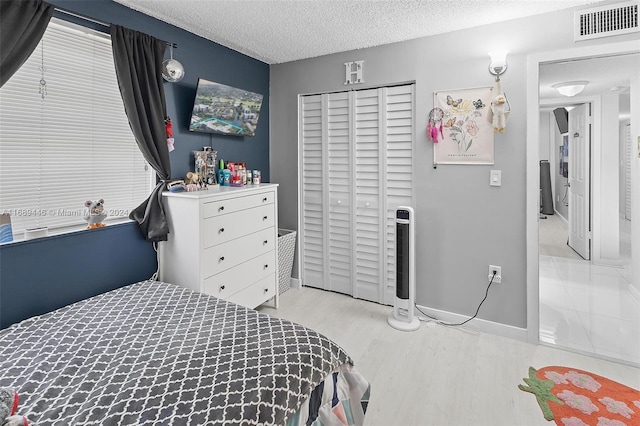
495 178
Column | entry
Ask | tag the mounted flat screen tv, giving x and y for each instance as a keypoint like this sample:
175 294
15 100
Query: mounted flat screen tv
226 110
562 119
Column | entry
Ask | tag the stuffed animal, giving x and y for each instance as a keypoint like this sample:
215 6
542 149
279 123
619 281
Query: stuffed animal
192 178
8 408
96 215
499 107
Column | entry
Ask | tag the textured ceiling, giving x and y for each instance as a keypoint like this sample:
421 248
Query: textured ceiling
277 31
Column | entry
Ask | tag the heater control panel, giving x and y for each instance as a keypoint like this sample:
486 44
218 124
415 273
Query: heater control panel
402 214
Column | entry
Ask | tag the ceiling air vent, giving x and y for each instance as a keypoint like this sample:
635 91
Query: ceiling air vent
603 21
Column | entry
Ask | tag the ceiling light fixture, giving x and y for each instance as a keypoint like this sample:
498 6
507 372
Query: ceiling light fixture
570 88
498 63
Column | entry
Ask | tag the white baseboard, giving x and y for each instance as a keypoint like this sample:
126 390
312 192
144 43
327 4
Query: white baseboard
477 324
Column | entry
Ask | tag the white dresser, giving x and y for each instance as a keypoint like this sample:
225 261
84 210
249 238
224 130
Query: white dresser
223 242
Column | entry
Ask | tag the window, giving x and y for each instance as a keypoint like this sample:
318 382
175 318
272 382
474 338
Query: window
69 141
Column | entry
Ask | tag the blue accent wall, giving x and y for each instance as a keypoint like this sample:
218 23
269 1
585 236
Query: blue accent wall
40 275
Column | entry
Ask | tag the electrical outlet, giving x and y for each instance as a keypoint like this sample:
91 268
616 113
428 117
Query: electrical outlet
498 270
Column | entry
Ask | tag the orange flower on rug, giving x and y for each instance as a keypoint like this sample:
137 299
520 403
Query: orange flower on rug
573 397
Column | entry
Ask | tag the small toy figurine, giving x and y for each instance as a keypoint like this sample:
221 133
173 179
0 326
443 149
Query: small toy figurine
96 214
8 408
498 106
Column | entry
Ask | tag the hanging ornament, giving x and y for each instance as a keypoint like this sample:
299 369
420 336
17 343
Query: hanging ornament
172 70
43 83
435 124
169 129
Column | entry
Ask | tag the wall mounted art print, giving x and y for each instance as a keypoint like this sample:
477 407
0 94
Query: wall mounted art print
467 135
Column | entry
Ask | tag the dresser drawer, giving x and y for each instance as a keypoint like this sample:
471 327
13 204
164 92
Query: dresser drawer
220 229
241 276
230 205
224 256
256 293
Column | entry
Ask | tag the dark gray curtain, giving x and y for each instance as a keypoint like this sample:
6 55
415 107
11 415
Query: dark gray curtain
22 24
138 59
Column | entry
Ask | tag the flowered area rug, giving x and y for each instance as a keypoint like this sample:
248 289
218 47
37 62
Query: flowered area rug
573 397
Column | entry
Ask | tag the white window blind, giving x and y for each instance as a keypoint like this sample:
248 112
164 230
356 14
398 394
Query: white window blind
71 144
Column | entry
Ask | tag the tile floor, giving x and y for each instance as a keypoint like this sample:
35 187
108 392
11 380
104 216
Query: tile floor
589 308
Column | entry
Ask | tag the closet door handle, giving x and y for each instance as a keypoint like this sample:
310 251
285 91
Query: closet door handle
221 230
266 290
264 218
264 200
221 208
266 266
265 242
221 258
222 287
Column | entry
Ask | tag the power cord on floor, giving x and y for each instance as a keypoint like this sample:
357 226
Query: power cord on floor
154 277
486 294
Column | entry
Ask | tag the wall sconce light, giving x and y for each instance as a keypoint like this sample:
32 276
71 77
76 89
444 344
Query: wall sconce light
570 88
172 70
498 63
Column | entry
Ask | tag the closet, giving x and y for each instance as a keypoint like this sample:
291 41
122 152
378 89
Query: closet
356 162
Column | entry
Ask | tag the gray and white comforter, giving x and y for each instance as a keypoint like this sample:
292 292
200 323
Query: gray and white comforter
155 353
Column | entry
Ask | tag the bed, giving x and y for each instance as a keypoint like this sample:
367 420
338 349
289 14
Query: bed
154 353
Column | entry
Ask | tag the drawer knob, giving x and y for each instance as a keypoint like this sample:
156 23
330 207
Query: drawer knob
264 217
266 266
264 200
222 287
221 230
220 208
266 290
221 258
265 242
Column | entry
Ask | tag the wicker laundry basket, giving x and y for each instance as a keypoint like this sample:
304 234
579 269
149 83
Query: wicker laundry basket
286 252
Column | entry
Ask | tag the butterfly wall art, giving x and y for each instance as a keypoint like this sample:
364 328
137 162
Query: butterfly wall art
467 136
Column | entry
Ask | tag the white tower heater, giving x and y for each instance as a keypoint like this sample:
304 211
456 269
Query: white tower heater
402 317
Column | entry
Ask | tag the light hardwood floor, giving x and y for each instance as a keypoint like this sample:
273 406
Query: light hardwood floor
436 375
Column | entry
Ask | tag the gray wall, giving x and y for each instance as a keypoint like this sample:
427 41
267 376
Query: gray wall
463 224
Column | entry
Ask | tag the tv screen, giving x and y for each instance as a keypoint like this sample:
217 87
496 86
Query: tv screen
223 109
562 118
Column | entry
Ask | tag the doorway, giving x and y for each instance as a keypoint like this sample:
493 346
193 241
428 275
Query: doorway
538 267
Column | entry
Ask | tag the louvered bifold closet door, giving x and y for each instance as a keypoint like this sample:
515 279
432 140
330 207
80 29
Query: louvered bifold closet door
357 167
399 168
340 192
369 218
312 196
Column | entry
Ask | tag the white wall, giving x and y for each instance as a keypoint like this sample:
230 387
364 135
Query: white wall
463 224
635 179
607 251
621 164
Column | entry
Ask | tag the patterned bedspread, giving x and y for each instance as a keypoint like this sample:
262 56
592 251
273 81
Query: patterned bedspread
158 354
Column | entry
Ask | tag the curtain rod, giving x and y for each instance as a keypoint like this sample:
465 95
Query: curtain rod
95 21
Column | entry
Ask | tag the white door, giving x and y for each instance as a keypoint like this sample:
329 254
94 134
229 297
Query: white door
357 166
627 172
579 180
369 187
313 167
400 126
339 185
